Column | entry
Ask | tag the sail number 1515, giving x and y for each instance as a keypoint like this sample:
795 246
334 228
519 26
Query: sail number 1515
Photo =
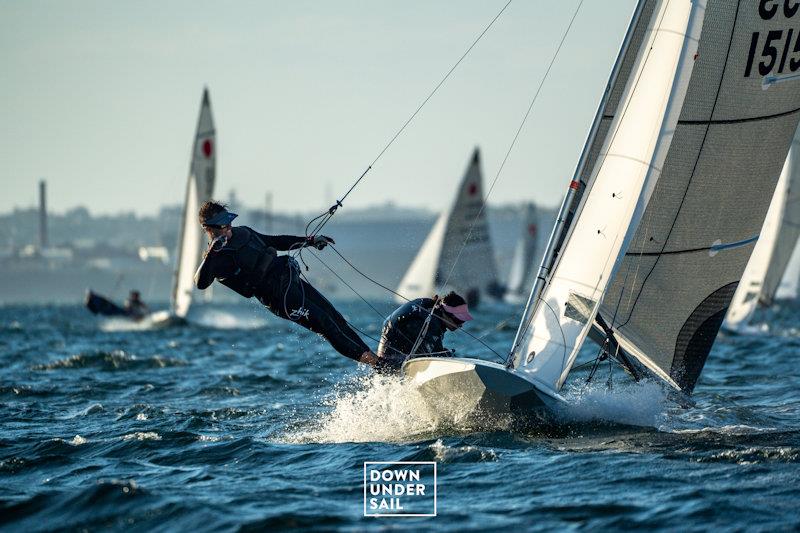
772 52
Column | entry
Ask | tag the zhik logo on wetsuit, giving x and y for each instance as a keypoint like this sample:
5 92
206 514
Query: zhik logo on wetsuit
299 313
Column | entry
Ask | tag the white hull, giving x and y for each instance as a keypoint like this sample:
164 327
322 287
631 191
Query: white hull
478 392
166 319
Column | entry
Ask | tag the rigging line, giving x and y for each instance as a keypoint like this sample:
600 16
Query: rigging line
379 284
318 258
397 134
365 276
513 141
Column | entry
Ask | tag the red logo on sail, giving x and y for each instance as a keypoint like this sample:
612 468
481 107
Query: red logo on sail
473 188
532 230
207 148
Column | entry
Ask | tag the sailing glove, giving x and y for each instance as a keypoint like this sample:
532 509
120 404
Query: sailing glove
319 241
217 244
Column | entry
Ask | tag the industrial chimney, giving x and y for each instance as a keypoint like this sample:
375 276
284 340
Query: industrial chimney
42 214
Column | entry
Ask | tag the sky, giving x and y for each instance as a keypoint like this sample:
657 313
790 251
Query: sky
100 98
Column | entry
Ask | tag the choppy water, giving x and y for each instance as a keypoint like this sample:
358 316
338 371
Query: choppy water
210 427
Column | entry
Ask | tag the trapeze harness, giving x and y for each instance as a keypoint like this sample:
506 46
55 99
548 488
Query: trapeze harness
249 266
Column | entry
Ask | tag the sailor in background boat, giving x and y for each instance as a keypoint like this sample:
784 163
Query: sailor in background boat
135 307
247 262
417 328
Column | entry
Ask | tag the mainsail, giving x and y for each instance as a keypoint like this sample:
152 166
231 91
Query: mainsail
199 188
457 254
618 171
523 268
667 301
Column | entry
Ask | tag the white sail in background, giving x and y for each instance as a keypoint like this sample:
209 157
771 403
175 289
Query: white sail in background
660 63
787 239
457 254
523 266
420 278
199 189
788 288
745 299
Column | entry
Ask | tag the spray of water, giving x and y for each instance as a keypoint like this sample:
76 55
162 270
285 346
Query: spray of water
125 324
223 319
637 404
370 408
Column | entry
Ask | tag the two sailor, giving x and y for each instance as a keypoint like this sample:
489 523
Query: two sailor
248 263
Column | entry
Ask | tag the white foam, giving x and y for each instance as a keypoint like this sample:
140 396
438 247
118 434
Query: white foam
221 319
637 404
77 440
446 454
370 408
125 324
142 435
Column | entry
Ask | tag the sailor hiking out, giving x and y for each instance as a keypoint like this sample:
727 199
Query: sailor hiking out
417 328
247 262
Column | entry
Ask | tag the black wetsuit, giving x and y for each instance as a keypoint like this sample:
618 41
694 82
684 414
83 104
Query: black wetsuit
401 329
284 293
136 309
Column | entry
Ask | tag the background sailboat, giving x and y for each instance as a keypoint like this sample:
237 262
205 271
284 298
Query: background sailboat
771 254
523 267
779 269
671 189
199 189
457 253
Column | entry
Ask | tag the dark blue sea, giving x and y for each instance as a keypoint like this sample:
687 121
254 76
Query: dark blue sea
243 422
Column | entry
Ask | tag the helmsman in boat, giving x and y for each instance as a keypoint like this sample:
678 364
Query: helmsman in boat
135 307
247 262
417 328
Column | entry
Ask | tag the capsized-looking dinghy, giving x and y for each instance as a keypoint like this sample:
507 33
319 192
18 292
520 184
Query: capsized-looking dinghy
100 305
674 182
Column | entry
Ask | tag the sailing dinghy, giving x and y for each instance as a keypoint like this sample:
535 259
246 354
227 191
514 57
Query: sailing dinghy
523 268
442 263
199 189
663 211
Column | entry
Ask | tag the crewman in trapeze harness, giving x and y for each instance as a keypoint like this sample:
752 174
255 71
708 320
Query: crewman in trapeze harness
417 327
247 262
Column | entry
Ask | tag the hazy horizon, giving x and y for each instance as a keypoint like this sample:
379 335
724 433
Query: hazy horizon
101 100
